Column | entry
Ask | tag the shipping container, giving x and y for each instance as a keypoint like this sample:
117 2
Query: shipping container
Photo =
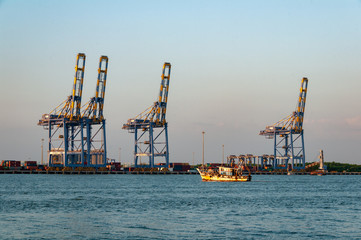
31 165
41 167
180 167
114 166
11 165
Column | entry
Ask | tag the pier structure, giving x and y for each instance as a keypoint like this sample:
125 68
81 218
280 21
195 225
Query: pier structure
287 135
71 139
150 128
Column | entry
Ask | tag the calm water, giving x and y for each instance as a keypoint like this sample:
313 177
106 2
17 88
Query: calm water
179 207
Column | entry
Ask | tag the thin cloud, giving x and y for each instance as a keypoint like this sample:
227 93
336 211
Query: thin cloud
354 122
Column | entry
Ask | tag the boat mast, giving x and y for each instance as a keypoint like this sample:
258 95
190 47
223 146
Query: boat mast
222 154
203 149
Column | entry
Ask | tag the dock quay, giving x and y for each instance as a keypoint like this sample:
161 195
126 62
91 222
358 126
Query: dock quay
305 173
152 172
93 172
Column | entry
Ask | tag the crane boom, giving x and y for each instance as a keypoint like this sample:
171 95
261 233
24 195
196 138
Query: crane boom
294 121
70 108
301 105
163 94
100 89
94 108
77 88
157 112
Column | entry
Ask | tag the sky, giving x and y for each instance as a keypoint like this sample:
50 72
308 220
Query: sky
236 68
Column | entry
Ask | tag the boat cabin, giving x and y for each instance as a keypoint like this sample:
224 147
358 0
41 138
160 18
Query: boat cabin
227 171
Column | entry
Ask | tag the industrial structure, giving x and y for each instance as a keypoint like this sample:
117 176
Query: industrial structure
77 137
322 167
288 136
150 128
254 162
94 120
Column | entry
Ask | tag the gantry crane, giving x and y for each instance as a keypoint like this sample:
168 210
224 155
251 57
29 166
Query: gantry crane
288 135
94 120
153 138
71 148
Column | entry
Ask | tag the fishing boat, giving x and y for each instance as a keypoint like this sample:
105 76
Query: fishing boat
225 174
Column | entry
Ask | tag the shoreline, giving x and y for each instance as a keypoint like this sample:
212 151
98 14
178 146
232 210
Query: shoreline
152 173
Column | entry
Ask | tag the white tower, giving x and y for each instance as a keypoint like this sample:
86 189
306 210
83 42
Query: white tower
322 167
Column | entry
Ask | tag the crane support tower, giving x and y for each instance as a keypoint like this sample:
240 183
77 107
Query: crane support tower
93 118
71 142
150 128
288 136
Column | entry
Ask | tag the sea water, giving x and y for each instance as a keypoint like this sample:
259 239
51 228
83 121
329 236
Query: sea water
179 207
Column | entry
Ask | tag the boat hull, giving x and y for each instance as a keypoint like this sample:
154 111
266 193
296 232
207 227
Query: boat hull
206 177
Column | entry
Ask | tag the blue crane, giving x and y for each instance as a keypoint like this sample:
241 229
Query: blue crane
288 135
69 144
152 139
64 149
92 116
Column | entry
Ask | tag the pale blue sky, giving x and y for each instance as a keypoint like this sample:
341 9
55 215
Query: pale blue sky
236 67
